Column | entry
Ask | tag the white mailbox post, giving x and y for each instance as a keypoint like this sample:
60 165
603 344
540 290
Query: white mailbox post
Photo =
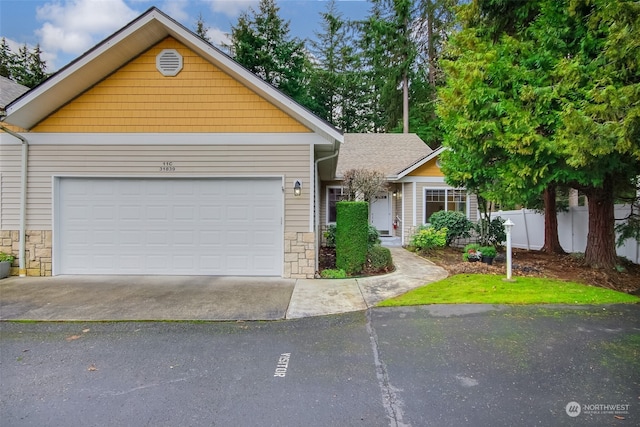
508 225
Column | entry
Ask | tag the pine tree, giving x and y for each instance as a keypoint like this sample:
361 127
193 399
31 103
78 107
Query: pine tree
6 59
25 67
202 29
260 41
335 84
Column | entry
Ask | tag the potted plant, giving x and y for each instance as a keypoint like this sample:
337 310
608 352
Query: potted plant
5 264
488 254
472 252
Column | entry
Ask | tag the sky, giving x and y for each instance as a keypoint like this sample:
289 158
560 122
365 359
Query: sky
65 29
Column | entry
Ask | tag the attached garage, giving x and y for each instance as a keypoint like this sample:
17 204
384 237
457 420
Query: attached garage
180 226
86 188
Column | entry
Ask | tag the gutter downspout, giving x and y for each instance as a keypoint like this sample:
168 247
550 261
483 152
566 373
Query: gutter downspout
23 198
317 206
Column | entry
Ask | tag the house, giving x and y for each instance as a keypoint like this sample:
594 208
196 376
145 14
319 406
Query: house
156 153
416 186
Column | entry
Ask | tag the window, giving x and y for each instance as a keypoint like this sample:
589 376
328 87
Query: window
444 200
334 195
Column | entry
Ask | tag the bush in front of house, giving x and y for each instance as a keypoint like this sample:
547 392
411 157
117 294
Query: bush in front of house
352 233
456 223
379 259
428 237
373 236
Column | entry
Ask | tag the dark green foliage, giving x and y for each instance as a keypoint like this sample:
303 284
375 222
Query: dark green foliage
373 237
260 41
488 251
456 223
352 232
379 259
24 67
491 233
330 236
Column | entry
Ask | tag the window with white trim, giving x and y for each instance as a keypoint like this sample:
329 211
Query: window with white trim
334 195
444 199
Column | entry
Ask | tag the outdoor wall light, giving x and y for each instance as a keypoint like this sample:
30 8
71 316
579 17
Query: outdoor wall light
297 187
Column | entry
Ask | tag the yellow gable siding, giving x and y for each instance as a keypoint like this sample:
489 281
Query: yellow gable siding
137 98
428 169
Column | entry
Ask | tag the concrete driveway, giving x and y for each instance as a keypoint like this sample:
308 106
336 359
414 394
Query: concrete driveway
96 298
144 298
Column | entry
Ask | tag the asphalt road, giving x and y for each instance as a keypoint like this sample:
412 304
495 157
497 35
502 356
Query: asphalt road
424 366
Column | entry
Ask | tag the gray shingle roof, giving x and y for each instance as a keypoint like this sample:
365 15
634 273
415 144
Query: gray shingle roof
389 153
10 90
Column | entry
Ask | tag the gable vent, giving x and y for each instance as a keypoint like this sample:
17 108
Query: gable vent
169 62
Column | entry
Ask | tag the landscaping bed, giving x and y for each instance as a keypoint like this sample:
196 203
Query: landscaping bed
541 264
525 263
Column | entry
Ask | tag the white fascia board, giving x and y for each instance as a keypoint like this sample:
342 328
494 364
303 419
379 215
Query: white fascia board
415 166
424 179
176 139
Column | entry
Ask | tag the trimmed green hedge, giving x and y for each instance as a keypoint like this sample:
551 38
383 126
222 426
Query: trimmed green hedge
352 230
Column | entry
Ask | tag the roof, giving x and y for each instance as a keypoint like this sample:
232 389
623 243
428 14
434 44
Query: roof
389 153
126 44
9 91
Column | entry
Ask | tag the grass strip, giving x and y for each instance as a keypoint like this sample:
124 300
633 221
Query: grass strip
492 289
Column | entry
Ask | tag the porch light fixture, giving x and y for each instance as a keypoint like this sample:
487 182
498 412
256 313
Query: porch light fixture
297 187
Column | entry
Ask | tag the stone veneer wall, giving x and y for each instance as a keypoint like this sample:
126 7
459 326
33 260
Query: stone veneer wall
299 255
38 251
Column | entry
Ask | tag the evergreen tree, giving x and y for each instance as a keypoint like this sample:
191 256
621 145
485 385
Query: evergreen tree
25 67
260 41
543 95
335 84
6 59
201 29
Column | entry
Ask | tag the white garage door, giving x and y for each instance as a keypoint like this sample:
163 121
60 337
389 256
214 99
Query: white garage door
169 226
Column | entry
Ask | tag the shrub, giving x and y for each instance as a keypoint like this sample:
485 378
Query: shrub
427 238
333 274
373 237
456 224
6 257
352 229
488 251
491 233
330 236
379 258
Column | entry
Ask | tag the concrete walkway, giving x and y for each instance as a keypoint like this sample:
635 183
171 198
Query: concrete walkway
320 297
95 298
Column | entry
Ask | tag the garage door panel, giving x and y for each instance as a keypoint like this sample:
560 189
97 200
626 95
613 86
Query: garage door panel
173 226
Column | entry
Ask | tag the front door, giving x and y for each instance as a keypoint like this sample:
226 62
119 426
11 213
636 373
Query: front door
380 211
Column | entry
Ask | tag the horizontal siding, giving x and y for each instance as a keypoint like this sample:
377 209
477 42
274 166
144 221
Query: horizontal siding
292 161
138 98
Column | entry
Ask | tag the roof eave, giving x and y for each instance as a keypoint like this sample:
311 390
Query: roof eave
421 162
127 43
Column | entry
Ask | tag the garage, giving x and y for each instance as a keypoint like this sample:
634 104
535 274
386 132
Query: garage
176 226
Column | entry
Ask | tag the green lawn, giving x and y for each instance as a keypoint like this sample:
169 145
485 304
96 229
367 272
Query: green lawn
491 289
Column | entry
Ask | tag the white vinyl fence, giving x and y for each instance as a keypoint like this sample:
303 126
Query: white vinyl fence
573 227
